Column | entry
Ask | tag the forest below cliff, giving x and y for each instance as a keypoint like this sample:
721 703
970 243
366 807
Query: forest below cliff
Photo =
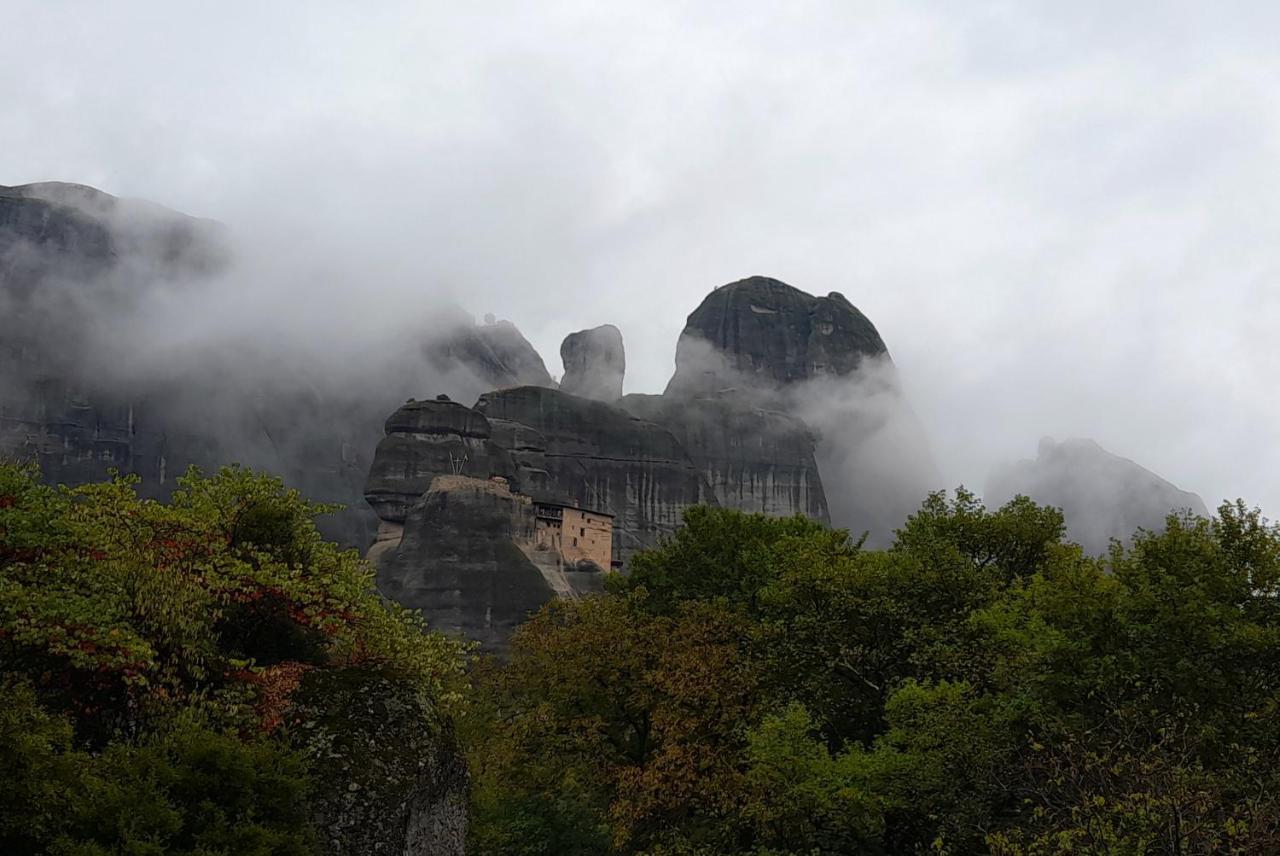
209 676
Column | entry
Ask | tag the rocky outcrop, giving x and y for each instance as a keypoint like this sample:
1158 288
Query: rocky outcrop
759 344
460 561
762 334
594 363
495 354
390 776
425 439
608 460
753 459
1102 496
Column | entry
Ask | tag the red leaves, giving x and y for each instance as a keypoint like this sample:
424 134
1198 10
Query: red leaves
276 685
8 501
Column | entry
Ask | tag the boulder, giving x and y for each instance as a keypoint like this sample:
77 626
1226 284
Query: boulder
460 562
594 363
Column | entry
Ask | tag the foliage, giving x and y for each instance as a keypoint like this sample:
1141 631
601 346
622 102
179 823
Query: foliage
151 651
981 686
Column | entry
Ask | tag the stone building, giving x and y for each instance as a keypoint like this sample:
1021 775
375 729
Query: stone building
576 534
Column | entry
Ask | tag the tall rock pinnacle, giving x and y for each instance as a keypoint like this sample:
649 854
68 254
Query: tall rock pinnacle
594 363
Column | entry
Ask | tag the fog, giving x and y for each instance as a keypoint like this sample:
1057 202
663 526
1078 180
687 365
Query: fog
1063 221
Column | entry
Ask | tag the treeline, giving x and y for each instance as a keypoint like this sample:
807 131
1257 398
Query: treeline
765 686
754 686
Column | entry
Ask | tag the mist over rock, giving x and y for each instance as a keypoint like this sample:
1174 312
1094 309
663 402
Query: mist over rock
496 353
765 334
594 363
1102 495
101 366
759 343
72 259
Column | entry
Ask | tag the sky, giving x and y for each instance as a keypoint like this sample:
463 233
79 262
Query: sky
1064 219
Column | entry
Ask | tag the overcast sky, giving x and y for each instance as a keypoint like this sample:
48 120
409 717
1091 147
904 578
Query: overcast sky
1063 217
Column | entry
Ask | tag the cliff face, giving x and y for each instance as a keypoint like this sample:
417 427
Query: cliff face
425 439
70 255
1102 496
607 460
495 354
752 459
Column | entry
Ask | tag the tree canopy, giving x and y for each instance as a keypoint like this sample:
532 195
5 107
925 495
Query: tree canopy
758 685
149 652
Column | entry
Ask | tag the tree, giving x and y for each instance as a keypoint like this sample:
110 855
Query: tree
152 651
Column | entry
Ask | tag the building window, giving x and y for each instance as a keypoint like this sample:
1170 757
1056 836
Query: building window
582 531
575 542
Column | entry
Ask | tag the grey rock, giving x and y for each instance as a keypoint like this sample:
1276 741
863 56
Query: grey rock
77 266
764 334
753 459
495 354
459 562
761 343
608 460
1102 495
425 439
594 363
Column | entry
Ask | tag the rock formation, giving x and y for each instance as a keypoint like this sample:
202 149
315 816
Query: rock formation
425 439
80 394
495 354
758 345
726 432
460 560
608 460
763 334
1102 496
594 363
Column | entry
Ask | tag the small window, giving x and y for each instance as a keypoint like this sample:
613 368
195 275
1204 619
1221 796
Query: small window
582 531
575 542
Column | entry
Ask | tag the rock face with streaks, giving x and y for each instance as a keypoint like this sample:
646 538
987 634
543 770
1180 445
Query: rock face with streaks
607 460
757 347
752 459
70 256
1102 496
594 363
425 439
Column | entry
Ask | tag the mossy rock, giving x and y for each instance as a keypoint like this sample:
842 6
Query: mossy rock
389 776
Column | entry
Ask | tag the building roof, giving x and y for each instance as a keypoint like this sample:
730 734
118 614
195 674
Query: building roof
562 501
